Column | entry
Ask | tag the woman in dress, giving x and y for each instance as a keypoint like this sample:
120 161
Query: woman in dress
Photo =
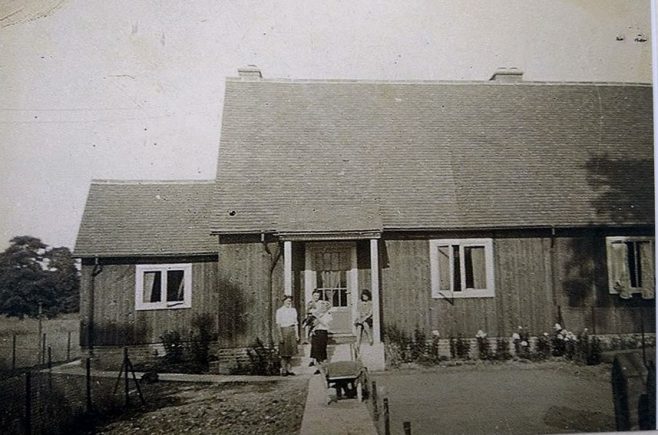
363 322
286 320
320 332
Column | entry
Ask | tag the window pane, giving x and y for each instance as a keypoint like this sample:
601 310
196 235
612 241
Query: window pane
152 287
474 267
457 274
175 285
444 268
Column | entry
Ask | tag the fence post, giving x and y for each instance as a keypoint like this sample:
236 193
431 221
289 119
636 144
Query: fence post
407 427
387 421
13 352
68 347
375 410
88 385
28 403
43 349
50 358
125 366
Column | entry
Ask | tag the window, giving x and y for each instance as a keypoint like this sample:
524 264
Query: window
462 268
163 286
631 266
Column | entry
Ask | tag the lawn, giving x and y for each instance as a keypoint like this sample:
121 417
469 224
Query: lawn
511 398
57 332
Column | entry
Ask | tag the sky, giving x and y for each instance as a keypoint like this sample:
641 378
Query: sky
134 90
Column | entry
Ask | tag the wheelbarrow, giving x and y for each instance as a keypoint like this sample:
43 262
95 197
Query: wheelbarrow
349 379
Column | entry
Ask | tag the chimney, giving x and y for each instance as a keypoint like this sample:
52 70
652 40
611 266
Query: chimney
250 72
507 75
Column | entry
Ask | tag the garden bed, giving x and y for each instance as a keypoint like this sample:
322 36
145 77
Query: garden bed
236 408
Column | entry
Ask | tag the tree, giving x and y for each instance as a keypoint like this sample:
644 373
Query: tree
33 273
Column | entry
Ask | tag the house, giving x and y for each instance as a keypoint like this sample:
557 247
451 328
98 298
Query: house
460 205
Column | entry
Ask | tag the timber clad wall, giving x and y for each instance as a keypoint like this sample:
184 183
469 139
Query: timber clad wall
528 293
243 282
116 322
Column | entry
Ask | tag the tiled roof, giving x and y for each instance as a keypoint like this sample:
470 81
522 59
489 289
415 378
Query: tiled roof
351 155
146 218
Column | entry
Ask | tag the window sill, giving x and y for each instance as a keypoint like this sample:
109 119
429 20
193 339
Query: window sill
466 295
162 307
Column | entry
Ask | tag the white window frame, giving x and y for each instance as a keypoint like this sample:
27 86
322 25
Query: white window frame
608 247
487 244
140 269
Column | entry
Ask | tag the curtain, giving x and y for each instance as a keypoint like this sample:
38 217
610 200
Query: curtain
151 287
476 268
618 264
647 265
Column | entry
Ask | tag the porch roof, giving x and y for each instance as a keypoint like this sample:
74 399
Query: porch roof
141 218
352 155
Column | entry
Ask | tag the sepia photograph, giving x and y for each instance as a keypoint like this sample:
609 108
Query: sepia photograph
327 217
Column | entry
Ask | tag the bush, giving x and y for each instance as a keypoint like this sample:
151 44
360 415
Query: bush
173 344
398 344
502 349
543 349
264 361
521 340
202 336
460 347
484 350
418 346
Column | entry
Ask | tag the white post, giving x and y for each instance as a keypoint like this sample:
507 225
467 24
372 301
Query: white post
287 268
374 284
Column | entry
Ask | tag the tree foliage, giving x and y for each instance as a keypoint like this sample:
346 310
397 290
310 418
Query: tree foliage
31 272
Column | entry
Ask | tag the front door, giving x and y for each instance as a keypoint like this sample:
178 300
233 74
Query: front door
331 268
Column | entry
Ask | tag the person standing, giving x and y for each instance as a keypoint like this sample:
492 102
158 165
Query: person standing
363 322
286 320
320 333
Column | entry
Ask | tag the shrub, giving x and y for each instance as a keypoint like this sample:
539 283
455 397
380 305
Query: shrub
398 342
202 335
172 342
264 361
502 349
462 347
543 348
484 350
521 340
418 346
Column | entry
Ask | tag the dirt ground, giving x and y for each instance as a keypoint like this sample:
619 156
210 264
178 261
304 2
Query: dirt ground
259 408
513 398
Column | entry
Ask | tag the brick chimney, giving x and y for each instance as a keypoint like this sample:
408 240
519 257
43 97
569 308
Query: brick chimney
250 72
507 75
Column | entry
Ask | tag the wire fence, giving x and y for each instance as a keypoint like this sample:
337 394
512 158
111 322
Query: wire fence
48 401
25 351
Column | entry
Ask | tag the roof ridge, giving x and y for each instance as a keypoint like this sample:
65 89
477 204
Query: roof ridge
110 181
442 82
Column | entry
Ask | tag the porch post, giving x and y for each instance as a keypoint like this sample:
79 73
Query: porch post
287 268
374 288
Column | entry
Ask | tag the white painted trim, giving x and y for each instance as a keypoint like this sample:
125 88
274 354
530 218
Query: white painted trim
287 268
310 277
374 289
489 292
608 247
354 286
140 305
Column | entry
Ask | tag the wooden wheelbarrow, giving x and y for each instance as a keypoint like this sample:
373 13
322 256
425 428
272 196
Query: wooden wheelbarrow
346 379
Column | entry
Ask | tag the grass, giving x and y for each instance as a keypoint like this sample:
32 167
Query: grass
27 340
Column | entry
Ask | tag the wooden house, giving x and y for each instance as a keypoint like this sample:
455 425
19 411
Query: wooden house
462 206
